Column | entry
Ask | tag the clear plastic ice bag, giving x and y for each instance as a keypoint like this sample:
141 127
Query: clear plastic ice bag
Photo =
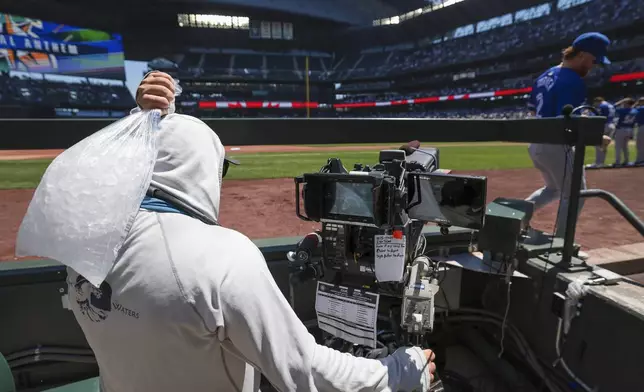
88 198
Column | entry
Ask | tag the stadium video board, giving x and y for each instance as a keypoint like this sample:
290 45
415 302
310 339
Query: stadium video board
33 45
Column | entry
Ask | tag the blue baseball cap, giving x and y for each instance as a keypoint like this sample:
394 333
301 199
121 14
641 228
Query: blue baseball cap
595 44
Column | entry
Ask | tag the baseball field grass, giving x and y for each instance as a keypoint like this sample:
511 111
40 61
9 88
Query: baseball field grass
462 157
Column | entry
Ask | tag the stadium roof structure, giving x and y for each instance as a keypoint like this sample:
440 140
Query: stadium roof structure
351 12
362 12
118 15
440 21
323 25
103 14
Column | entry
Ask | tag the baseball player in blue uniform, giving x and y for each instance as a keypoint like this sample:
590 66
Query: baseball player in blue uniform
559 86
627 116
607 110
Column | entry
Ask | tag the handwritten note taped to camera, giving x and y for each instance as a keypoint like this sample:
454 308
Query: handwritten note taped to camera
390 258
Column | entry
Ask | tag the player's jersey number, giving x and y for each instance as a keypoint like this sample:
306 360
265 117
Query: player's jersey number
539 99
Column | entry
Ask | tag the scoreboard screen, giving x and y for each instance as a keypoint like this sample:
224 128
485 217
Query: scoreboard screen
33 45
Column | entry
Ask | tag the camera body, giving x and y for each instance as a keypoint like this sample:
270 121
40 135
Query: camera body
356 206
372 224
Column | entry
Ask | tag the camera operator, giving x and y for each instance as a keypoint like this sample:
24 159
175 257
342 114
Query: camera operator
192 306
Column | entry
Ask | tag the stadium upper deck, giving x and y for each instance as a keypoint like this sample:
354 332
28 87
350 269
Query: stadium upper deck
496 62
483 44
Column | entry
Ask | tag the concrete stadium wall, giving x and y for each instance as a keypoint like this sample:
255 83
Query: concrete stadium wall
16 134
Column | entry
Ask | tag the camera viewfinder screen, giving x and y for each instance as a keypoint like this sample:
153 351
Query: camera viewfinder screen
350 199
451 200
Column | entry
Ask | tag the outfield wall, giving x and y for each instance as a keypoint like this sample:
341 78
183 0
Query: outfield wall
17 134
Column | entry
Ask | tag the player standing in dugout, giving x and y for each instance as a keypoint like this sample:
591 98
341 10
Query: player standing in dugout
559 86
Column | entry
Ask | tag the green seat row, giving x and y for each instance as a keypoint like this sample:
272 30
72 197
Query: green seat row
7 383
89 385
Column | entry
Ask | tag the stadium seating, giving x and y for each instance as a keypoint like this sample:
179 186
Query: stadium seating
478 63
24 90
597 77
89 385
559 27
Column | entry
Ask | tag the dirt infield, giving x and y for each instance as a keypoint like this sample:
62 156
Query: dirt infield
254 207
265 208
17 155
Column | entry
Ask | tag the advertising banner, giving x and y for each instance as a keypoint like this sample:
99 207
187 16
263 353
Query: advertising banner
33 45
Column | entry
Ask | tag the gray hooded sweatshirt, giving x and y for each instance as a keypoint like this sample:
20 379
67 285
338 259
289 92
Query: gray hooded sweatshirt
193 307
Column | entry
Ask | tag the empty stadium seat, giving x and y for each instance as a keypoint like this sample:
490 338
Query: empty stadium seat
7 383
89 385
6 377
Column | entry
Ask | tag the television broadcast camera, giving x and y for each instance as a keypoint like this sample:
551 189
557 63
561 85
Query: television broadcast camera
368 258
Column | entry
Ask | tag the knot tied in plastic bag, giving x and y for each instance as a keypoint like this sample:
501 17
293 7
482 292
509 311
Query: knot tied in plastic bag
87 199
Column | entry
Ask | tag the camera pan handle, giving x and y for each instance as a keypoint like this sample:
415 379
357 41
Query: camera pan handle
298 181
413 192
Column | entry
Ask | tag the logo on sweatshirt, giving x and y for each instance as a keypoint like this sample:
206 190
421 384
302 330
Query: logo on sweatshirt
96 303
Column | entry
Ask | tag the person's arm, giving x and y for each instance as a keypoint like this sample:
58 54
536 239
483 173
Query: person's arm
261 325
620 102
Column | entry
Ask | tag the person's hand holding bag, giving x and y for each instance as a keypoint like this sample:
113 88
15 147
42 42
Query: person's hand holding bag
156 91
